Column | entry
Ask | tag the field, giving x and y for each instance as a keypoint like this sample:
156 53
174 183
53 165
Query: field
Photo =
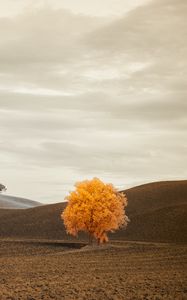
148 260
34 270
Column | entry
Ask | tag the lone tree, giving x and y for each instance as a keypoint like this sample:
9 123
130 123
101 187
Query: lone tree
96 208
2 187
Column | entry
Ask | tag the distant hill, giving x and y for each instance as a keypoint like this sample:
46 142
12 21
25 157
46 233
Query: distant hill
158 212
16 202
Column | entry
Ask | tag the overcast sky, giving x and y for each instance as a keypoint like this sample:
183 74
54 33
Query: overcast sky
91 88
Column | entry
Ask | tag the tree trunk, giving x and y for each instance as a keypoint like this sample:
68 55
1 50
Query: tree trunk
90 239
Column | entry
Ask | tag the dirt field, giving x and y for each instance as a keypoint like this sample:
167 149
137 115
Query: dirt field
123 270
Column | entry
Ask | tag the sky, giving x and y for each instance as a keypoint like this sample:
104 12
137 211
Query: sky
91 89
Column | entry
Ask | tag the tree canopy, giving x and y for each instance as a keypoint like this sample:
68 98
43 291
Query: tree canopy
96 208
2 187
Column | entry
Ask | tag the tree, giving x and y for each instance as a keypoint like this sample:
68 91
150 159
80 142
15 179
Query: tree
2 187
96 208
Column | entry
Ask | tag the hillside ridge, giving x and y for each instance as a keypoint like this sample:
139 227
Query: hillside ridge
157 212
13 202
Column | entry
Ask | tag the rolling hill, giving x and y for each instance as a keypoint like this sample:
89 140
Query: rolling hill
16 202
158 212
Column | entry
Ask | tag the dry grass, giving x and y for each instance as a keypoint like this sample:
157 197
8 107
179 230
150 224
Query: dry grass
124 270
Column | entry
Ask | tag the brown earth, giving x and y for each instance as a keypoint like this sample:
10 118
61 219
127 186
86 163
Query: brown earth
157 212
121 271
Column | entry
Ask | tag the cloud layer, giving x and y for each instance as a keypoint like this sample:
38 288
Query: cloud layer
85 95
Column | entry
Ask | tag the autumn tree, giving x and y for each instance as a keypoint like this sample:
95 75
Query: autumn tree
96 208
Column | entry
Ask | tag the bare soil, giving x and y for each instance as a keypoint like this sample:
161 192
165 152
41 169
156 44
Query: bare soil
34 270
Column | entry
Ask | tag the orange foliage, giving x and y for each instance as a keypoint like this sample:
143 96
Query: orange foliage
95 208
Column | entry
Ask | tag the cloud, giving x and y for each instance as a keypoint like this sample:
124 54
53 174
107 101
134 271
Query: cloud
84 96
87 7
42 36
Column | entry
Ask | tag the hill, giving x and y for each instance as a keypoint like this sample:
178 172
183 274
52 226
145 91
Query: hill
158 212
16 202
